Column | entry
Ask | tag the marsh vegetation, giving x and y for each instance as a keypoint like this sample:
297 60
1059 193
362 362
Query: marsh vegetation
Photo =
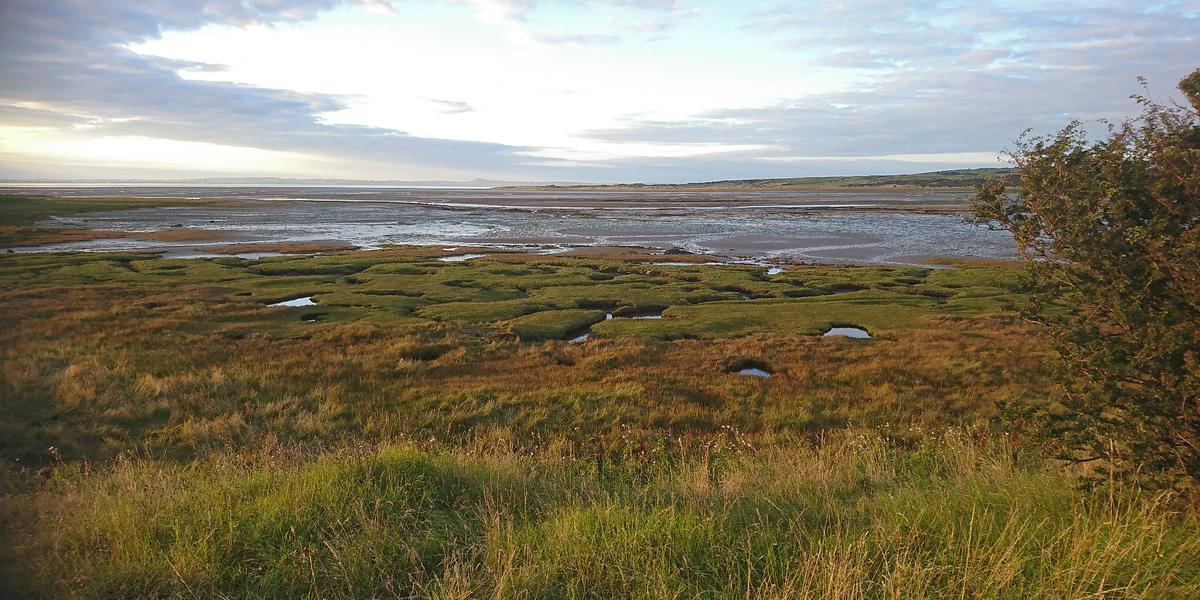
425 429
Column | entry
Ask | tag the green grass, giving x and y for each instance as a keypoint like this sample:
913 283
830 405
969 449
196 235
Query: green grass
851 517
554 324
702 301
107 353
18 214
27 210
876 311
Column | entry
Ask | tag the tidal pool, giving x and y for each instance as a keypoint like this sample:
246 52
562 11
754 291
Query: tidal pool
461 257
583 334
850 332
647 315
294 302
754 372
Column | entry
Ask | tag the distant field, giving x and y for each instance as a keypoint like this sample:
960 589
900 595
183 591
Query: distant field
956 180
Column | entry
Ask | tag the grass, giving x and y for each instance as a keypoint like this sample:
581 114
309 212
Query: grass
425 431
554 324
18 214
109 353
853 516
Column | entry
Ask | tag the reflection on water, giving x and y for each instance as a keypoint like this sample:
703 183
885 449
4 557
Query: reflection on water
461 257
851 332
305 301
652 315
715 225
754 372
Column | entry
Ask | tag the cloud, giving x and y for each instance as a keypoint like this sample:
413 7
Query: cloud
947 77
581 39
933 83
452 106
68 58
654 17
14 115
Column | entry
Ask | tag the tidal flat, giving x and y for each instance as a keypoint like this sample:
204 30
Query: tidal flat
823 227
421 427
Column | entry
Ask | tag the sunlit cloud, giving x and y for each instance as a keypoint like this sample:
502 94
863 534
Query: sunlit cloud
148 152
611 90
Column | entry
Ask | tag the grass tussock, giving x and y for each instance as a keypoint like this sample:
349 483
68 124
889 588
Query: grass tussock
853 516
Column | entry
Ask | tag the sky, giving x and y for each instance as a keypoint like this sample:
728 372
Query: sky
558 90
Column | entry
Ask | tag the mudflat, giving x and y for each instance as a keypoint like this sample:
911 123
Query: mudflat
842 227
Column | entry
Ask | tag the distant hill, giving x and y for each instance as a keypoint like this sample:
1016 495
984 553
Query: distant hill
960 179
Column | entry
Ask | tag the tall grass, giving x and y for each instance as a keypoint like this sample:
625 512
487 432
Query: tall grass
850 517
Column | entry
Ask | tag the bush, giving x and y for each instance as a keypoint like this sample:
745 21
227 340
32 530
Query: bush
1109 229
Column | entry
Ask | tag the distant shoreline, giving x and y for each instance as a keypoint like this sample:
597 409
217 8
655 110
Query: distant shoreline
958 180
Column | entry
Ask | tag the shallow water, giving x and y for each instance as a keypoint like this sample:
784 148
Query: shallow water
461 257
647 315
745 226
192 252
294 302
753 372
851 332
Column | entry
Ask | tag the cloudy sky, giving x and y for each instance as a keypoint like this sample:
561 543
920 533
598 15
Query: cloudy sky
579 90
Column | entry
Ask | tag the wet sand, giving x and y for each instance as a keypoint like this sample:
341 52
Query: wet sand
835 227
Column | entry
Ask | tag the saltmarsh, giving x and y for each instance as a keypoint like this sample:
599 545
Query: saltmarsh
112 352
167 433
